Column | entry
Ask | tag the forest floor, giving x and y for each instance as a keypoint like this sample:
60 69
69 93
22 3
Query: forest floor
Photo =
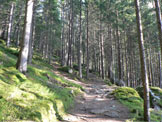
96 104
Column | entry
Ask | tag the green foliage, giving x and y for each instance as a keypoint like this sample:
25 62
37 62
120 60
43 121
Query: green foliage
64 69
75 66
108 82
32 97
2 42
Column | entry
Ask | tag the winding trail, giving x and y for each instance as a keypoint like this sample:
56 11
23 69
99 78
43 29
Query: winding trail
96 104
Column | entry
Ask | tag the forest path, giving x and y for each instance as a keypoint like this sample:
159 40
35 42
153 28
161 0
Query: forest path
96 104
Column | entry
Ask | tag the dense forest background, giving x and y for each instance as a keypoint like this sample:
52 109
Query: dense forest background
120 40
108 39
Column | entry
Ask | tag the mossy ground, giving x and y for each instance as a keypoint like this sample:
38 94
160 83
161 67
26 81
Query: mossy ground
130 98
31 97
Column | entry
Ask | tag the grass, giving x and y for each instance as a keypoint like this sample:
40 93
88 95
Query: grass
32 97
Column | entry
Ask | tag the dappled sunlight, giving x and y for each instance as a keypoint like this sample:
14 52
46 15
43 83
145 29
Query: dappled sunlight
32 93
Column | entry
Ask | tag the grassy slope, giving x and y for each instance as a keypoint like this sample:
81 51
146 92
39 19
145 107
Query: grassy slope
31 97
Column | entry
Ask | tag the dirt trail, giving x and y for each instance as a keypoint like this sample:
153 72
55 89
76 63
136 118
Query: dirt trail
97 104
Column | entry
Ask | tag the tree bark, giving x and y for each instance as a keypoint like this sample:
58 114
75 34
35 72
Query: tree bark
118 41
159 21
80 42
160 75
32 34
23 55
87 74
143 63
10 25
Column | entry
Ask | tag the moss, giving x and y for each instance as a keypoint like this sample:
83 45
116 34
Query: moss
31 97
2 42
130 98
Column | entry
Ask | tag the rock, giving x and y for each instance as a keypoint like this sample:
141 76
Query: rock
157 108
112 114
70 71
113 106
119 82
98 111
72 92
99 99
1 63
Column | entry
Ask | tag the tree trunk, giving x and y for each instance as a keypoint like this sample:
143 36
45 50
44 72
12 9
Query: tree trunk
102 56
87 74
143 63
23 55
62 38
10 25
80 43
118 41
32 34
159 21
160 75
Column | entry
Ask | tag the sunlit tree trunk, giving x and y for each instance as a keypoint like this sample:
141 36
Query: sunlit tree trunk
32 34
23 55
10 25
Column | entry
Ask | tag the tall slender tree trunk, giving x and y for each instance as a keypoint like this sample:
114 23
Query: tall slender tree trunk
80 42
32 34
70 35
159 21
23 55
160 75
143 62
10 24
62 38
87 75
102 56
118 41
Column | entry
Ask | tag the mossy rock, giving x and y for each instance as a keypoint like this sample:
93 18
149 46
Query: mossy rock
125 92
130 98
156 90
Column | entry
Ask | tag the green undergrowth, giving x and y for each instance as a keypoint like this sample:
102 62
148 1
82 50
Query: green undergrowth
75 70
131 99
108 82
34 96
155 115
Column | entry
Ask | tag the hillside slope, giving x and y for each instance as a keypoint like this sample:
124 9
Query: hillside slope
39 96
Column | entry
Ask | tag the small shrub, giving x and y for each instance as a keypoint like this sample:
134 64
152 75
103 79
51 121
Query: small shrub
107 81
64 69
75 66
